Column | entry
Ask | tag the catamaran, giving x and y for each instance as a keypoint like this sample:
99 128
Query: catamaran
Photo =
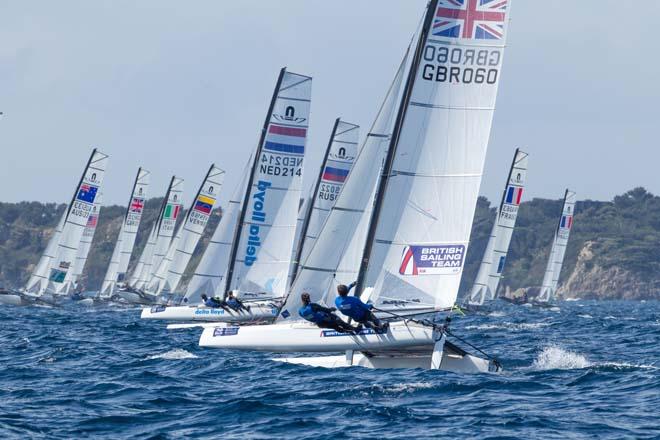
558 250
492 263
53 280
83 251
115 277
157 244
259 253
426 196
168 275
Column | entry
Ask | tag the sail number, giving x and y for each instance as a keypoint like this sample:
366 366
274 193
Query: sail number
461 66
276 165
329 192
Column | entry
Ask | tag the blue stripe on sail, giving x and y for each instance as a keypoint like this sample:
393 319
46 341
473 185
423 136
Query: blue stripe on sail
285 148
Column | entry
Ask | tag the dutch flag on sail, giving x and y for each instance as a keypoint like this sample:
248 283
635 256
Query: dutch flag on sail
285 139
566 221
335 174
513 195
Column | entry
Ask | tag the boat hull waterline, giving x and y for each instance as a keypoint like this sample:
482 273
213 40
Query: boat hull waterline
257 312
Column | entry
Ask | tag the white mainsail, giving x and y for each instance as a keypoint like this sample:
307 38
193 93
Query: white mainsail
168 275
261 255
337 163
426 200
39 278
121 255
60 278
86 241
492 264
161 233
558 250
210 273
316 275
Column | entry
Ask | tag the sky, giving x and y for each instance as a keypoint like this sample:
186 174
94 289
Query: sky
174 86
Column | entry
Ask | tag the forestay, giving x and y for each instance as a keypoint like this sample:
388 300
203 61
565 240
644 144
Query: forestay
558 250
425 204
262 253
86 241
317 272
162 232
211 271
121 255
492 264
60 278
168 275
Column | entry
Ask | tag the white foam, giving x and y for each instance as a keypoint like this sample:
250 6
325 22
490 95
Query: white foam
556 358
407 387
175 354
586 315
497 314
508 326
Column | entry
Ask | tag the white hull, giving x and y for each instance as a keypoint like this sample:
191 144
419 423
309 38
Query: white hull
11 299
303 337
136 298
455 362
258 312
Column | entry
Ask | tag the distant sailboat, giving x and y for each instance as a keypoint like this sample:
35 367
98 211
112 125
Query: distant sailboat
422 216
157 245
492 264
115 277
558 250
261 247
167 276
52 279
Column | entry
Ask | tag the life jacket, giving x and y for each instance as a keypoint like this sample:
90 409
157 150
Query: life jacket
307 312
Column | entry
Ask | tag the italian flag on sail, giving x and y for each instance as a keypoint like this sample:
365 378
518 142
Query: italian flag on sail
172 211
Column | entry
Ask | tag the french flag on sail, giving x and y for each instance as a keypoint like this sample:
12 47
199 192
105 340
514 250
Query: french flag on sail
332 174
566 221
513 195
285 139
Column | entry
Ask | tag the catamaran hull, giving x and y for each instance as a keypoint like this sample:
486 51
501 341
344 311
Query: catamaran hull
258 312
11 299
453 362
301 337
136 298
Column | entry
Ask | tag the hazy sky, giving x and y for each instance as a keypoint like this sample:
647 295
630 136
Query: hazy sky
174 86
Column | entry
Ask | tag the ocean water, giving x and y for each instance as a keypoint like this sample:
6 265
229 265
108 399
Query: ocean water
581 370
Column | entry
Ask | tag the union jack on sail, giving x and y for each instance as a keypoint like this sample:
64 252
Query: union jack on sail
470 19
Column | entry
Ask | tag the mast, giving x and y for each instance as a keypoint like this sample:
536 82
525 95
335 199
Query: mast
246 197
80 181
310 208
163 205
389 159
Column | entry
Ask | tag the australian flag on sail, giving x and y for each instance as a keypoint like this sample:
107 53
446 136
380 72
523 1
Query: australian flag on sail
470 19
566 221
285 139
513 195
87 193
332 174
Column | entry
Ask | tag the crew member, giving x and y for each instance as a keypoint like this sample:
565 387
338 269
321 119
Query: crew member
212 302
355 309
235 303
323 316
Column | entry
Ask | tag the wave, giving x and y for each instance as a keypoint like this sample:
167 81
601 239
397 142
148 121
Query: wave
175 354
557 358
509 326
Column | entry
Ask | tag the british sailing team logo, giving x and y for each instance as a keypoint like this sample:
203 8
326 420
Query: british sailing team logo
470 19
432 259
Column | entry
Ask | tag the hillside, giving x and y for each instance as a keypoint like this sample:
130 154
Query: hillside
614 250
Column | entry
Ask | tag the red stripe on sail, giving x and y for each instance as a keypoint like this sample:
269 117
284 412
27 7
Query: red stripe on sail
287 131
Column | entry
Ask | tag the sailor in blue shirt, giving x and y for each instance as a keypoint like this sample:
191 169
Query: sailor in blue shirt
235 303
212 302
355 309
324 316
